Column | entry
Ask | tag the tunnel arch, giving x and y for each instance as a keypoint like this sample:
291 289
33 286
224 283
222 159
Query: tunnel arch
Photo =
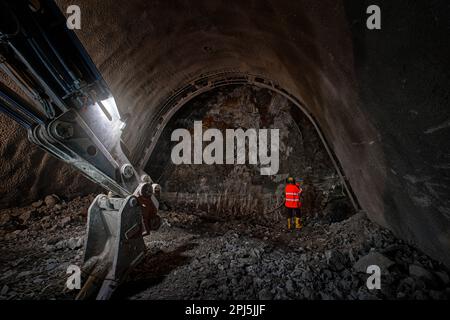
210 81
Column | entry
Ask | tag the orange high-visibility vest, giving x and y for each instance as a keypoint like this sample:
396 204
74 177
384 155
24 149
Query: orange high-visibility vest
292 196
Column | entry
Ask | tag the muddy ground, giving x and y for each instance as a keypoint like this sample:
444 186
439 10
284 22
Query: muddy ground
198 257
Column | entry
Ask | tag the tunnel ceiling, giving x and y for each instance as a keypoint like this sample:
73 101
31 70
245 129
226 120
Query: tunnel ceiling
380 98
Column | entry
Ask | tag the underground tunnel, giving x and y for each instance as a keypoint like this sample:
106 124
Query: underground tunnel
235 190
362 118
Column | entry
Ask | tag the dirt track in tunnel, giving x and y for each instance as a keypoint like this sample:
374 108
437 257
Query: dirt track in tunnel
195 258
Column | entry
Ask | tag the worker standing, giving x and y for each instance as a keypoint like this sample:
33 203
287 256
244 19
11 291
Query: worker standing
293 203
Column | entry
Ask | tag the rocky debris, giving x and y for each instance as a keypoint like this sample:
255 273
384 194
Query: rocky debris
336 260
72 244
37 204
264 294
321 262
195 257
4 290
24 217
65 221
51 200
4 219
373 258
57 213
443 277
35 253
422 273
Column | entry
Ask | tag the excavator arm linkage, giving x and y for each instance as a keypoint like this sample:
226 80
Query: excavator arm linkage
62 100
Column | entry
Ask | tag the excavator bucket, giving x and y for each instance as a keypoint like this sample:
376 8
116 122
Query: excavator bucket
114 244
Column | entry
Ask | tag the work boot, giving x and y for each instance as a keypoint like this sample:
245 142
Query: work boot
289 224
298 224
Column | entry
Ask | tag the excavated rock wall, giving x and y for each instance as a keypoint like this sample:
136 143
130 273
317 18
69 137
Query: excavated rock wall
241 190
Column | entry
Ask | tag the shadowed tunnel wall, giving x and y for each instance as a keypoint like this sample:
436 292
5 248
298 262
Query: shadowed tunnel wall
380 97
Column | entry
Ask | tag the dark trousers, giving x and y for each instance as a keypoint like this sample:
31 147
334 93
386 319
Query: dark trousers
293 212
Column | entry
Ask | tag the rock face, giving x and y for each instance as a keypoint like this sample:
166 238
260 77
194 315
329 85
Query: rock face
232 190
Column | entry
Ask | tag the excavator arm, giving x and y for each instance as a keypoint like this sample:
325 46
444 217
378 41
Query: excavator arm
62 100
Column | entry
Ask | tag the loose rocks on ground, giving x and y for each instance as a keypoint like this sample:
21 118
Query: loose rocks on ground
192 257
